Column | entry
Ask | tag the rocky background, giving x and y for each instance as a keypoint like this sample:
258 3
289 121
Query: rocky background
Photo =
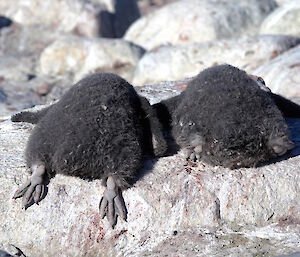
175 209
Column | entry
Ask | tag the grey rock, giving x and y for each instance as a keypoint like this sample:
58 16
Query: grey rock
179 62
282 74
59 87
25 40
174 208
18 95
17 67
164 90
77 56
284 20
190 21
291 255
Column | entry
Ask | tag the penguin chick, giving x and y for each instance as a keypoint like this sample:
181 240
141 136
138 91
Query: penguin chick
225 118
99 129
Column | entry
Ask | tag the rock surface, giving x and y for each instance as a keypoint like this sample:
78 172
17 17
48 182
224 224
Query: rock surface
76 57
175 207
179 62
282 74
284 20
189 21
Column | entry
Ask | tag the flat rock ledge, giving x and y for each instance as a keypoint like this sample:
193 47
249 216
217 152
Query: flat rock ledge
174 209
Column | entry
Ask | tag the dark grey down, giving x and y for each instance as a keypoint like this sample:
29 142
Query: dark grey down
225 112
99 128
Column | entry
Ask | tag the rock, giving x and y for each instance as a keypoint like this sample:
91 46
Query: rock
282 74
26 40
164 90
76 57
5 22
282 2
297 254
17 67
284 20
178 62
58 88
189 21
20 49
87 18
43 89
18 95
148 6
173 208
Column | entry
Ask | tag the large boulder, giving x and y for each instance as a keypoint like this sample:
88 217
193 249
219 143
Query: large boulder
179 62
282 74
284 20
189 21
25 40
174 208
18 95
17 67
77 56
88 18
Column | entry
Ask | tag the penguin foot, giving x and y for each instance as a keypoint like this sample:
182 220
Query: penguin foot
193 153
112 203
33 190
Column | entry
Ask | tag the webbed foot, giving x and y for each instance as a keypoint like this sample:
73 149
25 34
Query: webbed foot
112 203
33 190
193 153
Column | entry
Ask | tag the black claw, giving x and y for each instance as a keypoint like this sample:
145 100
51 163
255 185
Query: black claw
103 207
